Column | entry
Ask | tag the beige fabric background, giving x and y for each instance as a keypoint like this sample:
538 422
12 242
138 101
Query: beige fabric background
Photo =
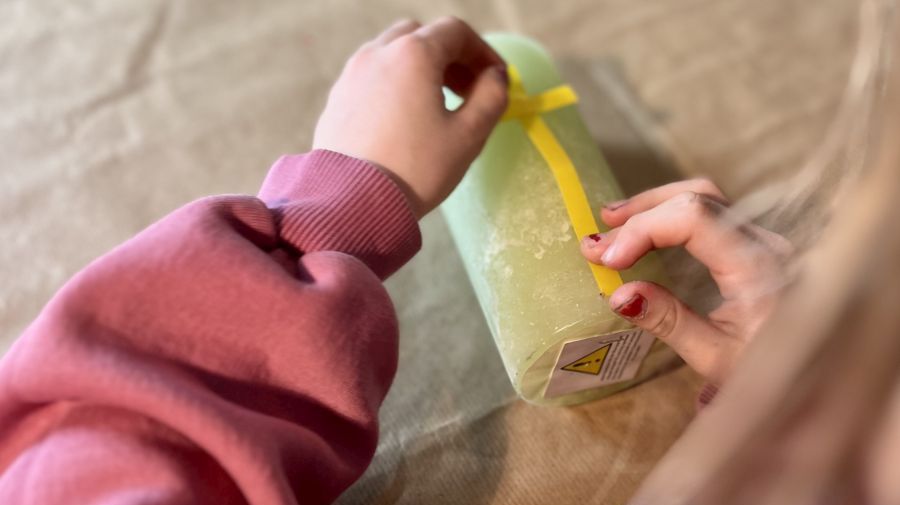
114 113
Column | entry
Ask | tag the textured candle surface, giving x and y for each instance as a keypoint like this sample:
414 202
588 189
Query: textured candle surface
509 222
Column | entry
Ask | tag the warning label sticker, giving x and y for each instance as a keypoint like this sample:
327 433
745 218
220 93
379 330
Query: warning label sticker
598 361
592 363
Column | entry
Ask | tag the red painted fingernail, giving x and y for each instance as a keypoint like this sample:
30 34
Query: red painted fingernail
634 308
503 74
596 237
615 205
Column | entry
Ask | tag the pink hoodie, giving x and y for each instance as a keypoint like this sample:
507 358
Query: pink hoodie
237 351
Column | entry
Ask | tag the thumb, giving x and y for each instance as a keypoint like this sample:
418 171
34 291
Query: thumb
485 103
707 349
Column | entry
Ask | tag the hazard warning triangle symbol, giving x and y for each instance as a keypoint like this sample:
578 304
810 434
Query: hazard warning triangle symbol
591 363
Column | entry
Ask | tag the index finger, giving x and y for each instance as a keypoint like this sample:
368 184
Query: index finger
616 213
454 41
740 261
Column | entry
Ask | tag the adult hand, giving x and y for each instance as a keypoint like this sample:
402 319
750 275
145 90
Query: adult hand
745 261
387 106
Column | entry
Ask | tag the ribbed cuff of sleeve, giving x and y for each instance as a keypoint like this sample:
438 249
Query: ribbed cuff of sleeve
327 201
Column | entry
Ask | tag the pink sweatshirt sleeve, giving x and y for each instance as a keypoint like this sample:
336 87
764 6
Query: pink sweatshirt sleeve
235 352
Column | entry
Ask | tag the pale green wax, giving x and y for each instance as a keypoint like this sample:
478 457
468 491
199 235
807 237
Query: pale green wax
510 225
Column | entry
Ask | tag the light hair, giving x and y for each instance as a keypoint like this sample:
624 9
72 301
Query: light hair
812 413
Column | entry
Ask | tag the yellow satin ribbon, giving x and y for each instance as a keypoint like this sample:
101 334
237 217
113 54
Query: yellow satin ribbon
527 110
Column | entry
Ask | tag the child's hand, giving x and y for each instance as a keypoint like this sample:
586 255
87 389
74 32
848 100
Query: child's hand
745 261
387 107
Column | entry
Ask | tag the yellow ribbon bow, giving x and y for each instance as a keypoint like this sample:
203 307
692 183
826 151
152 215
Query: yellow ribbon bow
527 110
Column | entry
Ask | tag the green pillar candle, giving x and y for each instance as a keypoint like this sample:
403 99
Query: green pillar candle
559 341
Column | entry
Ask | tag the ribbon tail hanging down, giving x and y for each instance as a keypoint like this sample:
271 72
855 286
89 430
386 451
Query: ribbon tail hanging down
527 110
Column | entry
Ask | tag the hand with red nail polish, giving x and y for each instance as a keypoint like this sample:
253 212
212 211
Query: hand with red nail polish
387 106
746 262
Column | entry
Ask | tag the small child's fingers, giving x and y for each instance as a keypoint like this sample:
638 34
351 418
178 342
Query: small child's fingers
736 259
616 213
396 30
454 41
484 104
655 309
593 246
